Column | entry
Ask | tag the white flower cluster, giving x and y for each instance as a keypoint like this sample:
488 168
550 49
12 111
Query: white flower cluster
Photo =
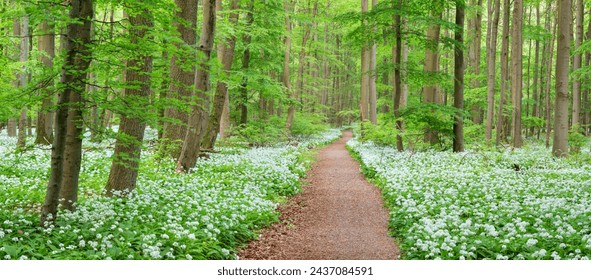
201 215
520 204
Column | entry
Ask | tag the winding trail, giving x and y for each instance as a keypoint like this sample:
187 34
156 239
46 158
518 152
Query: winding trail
339 215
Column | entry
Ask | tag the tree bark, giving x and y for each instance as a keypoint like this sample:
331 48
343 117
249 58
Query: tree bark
22 78
491 59
373 117
182 74
458 142
576 108
536 82
560 145
504 70
46 47
246 39
431 67
549 77
226 54
517 70
474 57
398 92
199 112
124 169
63 163
365 65
286 61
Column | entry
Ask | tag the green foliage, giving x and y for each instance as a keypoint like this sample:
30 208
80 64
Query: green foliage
207 214
308 124
509 204
576 139
420 117
531 121
384 133
258 133
474 133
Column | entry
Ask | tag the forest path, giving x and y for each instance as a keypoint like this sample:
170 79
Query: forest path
339 215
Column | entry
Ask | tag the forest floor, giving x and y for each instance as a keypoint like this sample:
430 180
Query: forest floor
339 215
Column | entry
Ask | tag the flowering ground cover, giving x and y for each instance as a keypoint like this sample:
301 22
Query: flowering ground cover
206 214
521 204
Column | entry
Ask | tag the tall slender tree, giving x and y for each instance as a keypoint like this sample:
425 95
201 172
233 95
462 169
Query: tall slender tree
560 144
124 169
578 57
372 98
504 71
431 92
182 73
494 8
517 71
226 54
398 88
65 166
199 111
458 142
365 67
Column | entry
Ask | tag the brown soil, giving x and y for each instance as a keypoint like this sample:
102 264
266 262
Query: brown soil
339 215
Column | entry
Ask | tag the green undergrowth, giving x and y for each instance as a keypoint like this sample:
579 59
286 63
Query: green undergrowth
507 204
206 214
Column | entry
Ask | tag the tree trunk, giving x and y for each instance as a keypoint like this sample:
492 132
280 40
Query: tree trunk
11 127
124 169
549 78
504 70
537 68
431 67
398 93
365 65
286 61
225 119
182 73
517 69
458 142
474 57
199 112
560 145
491 58
246 39
577 63
226 54
300 77
373 117
65 165
46 47
586 110
22 77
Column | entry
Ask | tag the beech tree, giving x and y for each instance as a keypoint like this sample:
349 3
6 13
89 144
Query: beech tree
66 147
182 74
458 143
200 111
517 71
560 145
124 169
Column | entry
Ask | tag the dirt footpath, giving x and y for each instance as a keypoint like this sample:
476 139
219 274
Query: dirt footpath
338 216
